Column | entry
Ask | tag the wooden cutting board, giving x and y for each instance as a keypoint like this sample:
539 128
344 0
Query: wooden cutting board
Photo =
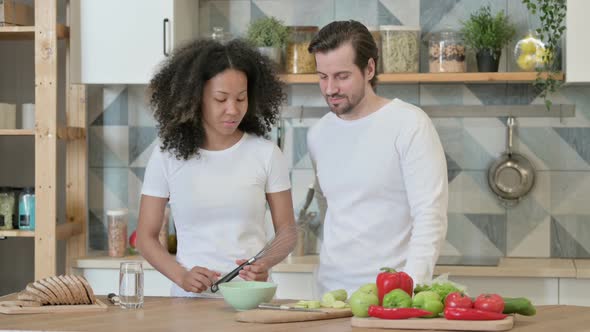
435 324
269 316
10 305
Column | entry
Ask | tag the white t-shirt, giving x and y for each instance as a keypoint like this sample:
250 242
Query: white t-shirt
384 177
218 200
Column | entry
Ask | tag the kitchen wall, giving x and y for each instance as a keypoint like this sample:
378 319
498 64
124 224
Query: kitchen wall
553 221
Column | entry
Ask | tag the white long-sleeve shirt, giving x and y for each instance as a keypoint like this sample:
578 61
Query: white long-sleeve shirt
384 177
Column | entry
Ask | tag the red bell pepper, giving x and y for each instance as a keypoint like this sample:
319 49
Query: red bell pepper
396 313
390 279
471 314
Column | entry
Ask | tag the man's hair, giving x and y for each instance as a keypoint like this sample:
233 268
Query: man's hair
337 33
176 92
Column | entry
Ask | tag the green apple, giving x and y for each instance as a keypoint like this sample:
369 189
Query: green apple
360 301
369 288
429 301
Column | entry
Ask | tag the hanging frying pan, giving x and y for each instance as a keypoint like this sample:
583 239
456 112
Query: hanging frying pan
512 176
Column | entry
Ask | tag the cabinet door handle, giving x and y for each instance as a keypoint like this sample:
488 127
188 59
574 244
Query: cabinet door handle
166 22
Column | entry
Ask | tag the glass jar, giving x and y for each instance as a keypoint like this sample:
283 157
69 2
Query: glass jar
400 49
298 59
117 220
26 209
7 208
446 53
377 37
529 52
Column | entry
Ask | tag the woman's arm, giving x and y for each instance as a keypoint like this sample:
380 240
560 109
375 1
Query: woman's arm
151 213
281 209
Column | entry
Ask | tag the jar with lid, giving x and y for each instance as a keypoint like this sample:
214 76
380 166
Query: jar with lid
400 48
446 52
377 37
26 209
7 208
298 59
117 220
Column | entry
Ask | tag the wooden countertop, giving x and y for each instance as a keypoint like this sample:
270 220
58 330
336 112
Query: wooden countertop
507 267
185 314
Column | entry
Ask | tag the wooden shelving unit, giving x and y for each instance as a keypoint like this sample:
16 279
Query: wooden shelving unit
46 134
505 77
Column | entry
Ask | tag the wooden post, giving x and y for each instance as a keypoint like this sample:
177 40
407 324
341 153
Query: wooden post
45 137
76 163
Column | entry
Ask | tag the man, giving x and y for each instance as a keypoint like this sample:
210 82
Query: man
380 166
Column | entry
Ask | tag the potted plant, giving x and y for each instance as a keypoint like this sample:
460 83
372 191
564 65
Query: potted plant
269 35
487 35
552 17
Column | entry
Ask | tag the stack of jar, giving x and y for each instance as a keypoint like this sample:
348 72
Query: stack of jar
17 208
298 59
400 49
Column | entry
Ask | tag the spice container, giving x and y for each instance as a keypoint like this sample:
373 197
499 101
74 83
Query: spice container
220 35
400 49
117 231
298 59
446 53
7 208
377 37
26 209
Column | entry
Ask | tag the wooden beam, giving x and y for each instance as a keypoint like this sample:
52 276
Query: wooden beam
69 229
409 78
46 53
76 163
71 133
28 32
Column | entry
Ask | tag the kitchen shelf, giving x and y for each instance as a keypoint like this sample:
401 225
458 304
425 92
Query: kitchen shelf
503 77
28 32
17 132
17 233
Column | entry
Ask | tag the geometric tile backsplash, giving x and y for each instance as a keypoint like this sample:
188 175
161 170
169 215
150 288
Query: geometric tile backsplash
553 221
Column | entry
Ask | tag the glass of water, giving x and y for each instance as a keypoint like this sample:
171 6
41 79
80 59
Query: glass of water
131 285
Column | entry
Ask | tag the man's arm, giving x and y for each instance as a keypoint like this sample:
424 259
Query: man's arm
425 175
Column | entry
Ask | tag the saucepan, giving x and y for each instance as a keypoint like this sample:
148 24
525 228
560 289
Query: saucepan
512 176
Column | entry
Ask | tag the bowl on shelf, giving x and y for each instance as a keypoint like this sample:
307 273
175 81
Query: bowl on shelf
245 295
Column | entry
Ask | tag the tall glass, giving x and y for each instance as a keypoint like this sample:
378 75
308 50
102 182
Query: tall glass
131 285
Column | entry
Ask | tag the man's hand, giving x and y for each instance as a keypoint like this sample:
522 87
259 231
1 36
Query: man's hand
198 279
257 271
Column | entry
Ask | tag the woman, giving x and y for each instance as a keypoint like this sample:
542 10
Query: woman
213 103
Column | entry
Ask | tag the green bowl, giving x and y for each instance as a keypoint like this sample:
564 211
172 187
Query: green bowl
245 295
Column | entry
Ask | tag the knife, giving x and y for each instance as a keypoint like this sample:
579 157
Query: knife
273 306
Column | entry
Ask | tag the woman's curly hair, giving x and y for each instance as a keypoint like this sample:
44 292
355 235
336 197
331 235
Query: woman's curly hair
177 92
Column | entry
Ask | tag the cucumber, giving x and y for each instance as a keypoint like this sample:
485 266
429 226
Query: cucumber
519 305
336 295
303 304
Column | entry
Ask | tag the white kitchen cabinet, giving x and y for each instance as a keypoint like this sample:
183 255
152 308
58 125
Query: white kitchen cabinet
123 42
577 47
574 291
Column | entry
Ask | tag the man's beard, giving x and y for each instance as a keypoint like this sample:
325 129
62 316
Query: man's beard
341 109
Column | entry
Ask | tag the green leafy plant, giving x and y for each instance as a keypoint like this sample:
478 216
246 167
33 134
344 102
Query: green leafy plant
268 32
552 16
485 32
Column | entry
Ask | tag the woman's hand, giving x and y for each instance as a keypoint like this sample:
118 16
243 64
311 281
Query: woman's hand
257 271
198 279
